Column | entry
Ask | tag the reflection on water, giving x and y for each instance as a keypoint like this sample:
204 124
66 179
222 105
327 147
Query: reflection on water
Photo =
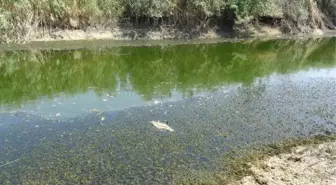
59 124
73 82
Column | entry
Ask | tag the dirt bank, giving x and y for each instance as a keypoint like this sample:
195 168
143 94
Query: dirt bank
144 34
306 165
157 34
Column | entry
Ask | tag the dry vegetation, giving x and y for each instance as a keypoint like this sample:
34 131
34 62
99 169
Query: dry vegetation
20 19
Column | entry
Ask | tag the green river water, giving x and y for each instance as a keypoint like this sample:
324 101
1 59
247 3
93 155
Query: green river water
82 116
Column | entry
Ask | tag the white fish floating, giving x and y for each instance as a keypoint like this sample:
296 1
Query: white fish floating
162 126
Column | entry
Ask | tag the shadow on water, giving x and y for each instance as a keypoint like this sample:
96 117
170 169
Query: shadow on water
256 93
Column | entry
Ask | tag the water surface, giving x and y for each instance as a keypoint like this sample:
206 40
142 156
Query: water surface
83 116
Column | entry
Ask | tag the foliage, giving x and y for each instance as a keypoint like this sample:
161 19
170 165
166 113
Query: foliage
20 18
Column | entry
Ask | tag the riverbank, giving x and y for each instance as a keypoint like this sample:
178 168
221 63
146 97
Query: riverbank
30 20
307 165
120 34
76 39
312 161
148 35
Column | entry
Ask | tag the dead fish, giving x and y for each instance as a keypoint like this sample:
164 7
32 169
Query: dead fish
161 126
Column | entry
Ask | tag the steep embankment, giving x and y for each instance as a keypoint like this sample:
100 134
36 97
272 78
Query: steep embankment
25 20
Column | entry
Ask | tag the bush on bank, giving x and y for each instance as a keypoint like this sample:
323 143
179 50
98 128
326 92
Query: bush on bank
20 18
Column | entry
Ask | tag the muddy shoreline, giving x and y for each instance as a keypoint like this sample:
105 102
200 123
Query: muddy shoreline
95 38
307 161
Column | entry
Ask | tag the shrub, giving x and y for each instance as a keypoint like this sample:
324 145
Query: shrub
19 18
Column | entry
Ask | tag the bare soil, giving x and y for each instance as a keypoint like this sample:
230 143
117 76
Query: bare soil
304 165
114 34
148 34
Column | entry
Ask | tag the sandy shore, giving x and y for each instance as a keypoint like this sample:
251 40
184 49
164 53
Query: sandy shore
304 165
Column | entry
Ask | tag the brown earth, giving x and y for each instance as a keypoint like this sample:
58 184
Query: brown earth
148 34
304 165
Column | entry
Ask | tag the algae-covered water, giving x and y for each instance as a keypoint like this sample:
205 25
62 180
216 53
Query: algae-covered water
82 116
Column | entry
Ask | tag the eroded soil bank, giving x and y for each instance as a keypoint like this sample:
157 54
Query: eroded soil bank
304 164
120 34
